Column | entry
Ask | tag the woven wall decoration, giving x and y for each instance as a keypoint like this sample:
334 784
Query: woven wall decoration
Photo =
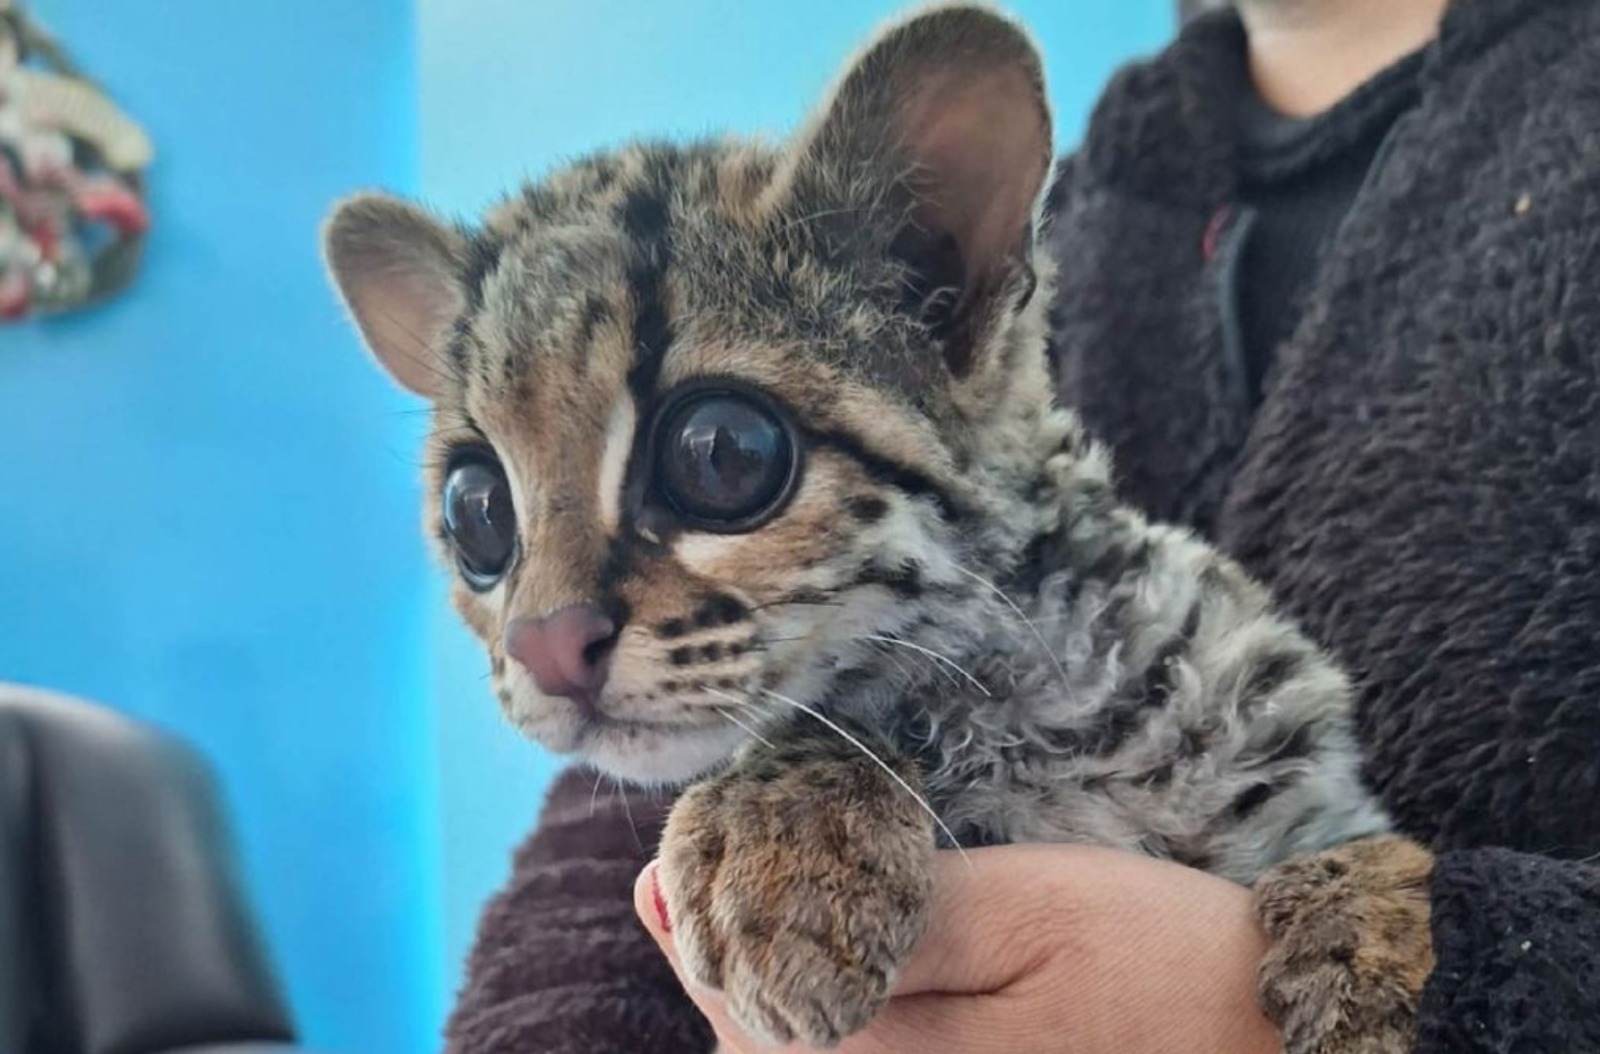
72 211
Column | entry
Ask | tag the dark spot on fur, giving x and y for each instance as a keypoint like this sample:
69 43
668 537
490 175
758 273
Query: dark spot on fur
596 313
728 682
672 628
868 508
1267 676
460 348
680 656
1198 859
644 219
1117 725
739 647
853 675
1030 280
538 203
1251 800
617 609
1119 561
483 258
711 652
904 580
1160 776
888 472
618 565
672 687
719 610
1296 744
1158 678
1159 675
603 172
652 334
643 215
802 597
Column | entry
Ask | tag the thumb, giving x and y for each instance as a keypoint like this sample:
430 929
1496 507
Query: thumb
651 907
996 915
990 929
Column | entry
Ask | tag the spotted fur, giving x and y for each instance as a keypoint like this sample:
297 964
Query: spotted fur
954 572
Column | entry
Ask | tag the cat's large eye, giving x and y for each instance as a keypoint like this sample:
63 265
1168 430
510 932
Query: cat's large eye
725 460
479 519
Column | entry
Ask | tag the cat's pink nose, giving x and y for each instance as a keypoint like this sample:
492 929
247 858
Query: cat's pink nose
568 651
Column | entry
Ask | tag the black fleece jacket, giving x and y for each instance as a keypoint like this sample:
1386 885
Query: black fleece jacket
1420 484
1421 481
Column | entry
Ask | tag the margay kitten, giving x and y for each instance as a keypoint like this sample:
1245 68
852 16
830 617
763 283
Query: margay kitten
746 452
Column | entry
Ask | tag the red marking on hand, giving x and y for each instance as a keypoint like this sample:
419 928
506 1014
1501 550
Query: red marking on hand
659 901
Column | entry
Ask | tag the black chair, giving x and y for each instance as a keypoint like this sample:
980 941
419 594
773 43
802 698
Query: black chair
123 928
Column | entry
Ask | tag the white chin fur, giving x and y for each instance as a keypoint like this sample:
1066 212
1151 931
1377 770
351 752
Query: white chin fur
637 753
654 756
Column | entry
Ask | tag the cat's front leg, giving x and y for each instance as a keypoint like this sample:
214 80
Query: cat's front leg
797 883
1351 946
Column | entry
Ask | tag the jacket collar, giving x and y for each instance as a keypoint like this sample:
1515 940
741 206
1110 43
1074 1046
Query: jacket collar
1166 129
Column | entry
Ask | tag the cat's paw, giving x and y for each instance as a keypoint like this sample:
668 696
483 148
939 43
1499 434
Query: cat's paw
798 892
1351 947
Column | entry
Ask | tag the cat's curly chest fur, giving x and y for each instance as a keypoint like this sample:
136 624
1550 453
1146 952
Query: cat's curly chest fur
1124 685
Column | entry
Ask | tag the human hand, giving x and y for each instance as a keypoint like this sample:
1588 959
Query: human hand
1047 948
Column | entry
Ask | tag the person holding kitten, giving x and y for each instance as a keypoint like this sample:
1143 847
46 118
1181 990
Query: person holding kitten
1329 286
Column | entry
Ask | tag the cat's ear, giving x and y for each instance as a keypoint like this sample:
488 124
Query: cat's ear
947 112
399 271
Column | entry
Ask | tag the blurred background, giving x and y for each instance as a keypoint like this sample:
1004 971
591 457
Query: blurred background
208 499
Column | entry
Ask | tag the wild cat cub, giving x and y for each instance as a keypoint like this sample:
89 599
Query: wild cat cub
748 463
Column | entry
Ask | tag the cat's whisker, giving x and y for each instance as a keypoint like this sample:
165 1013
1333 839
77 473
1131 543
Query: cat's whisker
594 795
742 704
818 215
1066 682
907 672
798 603
945 660
627 810
748 729
748 705
876 760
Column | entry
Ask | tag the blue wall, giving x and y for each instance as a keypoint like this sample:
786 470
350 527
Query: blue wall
510 87
207 501
207 507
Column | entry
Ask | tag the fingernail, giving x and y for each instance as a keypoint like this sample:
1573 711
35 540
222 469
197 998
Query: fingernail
659 901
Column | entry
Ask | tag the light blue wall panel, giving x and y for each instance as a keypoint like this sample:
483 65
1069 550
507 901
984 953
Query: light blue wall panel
207 502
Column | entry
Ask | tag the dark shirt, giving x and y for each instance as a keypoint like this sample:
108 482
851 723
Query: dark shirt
1298 179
